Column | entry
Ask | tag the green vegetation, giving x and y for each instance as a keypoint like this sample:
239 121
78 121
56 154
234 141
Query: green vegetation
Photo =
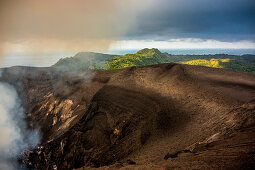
216 63
141 58
84 61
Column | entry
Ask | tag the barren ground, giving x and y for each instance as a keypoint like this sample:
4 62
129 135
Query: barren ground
167 116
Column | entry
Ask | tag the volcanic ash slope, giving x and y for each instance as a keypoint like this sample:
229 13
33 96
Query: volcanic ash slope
161 116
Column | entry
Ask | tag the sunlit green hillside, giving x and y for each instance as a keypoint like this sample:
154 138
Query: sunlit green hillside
141 58
216 63
84 60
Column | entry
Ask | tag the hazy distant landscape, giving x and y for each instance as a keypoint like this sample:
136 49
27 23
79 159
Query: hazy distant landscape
48 59
145 57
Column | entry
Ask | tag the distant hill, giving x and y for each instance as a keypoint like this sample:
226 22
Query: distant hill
243 63
84 61
141 58
144 57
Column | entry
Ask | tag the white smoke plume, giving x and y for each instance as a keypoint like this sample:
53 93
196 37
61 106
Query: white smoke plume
15 137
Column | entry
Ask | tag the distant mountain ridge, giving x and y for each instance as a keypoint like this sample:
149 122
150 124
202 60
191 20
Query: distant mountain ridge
144 57
84 61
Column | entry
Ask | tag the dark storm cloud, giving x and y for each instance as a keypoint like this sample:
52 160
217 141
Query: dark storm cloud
213 19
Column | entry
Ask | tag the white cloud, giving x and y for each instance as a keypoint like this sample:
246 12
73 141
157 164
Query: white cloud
185 43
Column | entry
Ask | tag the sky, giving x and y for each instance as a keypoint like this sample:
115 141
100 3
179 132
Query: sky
35 32
224 20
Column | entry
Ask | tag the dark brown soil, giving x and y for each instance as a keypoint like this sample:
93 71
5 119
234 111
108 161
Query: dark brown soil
167 116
